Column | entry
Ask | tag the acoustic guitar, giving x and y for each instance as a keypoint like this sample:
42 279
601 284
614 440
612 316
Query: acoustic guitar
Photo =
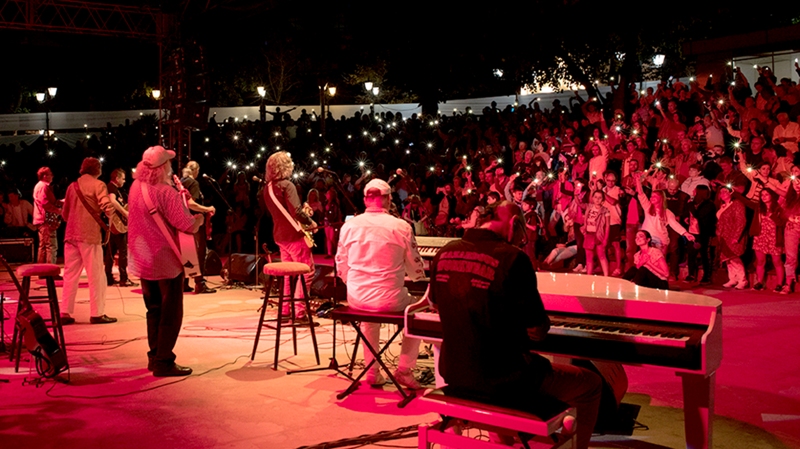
190 259
50 357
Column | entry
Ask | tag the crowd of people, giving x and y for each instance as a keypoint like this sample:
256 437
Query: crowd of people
681 174
703 173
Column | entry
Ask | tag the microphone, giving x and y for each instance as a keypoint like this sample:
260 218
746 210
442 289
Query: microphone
259 180
324 170
209 177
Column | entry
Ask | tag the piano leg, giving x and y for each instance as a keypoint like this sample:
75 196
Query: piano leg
698 409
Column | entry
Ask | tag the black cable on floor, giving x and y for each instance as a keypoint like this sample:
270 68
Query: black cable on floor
363 440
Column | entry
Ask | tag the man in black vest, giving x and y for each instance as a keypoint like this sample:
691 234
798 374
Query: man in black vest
486 293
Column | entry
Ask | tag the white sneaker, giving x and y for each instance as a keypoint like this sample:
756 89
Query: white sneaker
741 285
579 269
729 284
406 378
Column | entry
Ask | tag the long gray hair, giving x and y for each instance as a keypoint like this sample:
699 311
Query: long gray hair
153 175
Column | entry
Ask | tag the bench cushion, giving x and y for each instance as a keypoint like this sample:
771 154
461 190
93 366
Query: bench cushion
543 423
38 269
286 269
347 313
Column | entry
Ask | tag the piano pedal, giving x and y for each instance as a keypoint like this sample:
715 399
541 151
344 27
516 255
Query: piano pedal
426 377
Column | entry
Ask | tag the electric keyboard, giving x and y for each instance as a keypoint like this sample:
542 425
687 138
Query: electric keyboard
429 246
613 320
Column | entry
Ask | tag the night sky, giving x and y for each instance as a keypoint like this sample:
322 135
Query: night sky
445 47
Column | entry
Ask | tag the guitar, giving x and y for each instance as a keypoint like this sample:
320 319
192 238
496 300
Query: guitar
50 357
117 223
52 219
191 262
309 229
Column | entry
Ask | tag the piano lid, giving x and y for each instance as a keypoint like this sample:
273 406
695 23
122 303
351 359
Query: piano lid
599 295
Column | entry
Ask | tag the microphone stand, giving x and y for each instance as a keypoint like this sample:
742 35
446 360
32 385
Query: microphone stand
218 190
337 184
334 363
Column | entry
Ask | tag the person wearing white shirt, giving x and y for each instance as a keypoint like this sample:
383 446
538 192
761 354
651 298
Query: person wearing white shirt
18 214
375 253
787 133
599 161
695 179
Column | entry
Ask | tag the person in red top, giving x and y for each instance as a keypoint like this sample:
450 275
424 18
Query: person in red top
289 239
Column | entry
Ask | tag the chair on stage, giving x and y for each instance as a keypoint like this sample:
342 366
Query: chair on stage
553 426
355 318
53 322
277 272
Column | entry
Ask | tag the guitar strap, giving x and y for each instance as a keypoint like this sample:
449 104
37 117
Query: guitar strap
91 211
151 208
283 210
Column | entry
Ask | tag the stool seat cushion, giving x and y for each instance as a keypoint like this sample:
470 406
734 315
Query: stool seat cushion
348 313
545 408
286 269
38 269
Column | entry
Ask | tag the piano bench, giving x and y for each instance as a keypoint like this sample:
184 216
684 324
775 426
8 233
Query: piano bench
348 314
537 431
354 316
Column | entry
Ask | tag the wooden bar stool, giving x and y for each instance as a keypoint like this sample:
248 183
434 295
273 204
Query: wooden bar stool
53 322
277 272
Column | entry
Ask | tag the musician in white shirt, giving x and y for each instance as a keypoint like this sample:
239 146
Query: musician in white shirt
376 251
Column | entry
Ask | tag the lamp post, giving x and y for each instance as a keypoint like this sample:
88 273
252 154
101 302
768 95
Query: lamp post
324 91
374 90
43 98
262 109
157 97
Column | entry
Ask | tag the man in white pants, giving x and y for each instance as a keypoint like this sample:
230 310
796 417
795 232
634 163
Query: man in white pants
375 253
83 240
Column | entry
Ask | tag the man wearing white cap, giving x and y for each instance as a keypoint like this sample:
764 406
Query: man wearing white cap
86 199
154 260
376 251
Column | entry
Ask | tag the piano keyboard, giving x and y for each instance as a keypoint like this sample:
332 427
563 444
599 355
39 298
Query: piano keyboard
602 329
429 246
428 325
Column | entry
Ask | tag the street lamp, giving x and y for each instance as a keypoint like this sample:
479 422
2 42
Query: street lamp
374 90
43 98
658 60
324 91
157 96
262 109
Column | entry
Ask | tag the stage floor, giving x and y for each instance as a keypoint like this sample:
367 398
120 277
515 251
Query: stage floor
112 401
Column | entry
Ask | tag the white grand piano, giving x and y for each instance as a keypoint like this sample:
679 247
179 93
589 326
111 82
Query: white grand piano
613 320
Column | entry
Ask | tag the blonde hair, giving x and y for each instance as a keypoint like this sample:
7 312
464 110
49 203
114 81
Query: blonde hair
153 175
193 167
279 166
